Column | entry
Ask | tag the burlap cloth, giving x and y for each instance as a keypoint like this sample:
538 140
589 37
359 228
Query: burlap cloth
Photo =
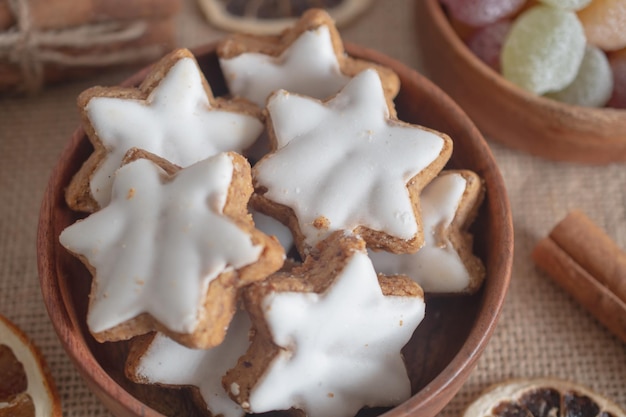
542 331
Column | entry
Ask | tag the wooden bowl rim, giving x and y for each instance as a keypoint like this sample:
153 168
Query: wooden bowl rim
441 388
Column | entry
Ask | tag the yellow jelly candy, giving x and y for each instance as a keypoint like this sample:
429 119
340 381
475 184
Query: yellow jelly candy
593 85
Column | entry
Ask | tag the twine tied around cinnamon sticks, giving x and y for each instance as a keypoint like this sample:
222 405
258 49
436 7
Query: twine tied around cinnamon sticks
31 49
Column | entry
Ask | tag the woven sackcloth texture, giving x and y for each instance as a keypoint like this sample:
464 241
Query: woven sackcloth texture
542 331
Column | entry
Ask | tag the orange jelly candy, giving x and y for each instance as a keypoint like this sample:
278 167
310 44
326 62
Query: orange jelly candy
604 22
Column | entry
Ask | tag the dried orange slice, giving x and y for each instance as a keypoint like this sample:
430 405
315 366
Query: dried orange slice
26 386
542 397
270 17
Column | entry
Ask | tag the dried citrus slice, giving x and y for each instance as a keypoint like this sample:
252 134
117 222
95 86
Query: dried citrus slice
541 397
26 386
269 17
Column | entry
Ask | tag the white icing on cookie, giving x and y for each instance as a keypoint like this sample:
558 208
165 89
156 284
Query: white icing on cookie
156 247
167 362
273 227
344 160
308 66
176 122
340 349
437 266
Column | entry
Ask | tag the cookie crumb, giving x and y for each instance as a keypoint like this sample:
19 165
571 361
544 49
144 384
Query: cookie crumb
131 193
321 223
234 388
440 237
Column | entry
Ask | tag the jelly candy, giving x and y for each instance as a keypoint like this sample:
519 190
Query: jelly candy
543 50
487 42
618 66
482 12
593 84
604 22
567 4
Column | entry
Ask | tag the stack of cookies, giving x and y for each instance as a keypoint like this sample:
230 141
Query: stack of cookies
270 248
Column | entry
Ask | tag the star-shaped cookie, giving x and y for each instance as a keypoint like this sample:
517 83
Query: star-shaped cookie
345 164
328 336
446 263
170 252
172 114
157 359
308 58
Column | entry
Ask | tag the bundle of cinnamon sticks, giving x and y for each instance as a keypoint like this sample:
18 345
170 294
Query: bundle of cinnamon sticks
43 41
581 258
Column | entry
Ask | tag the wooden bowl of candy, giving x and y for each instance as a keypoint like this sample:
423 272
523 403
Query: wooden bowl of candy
440 354
517 89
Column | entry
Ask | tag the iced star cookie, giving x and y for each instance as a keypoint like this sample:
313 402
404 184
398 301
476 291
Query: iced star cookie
345 164
446 263
171 250
308 58
327 336
172 114
156 359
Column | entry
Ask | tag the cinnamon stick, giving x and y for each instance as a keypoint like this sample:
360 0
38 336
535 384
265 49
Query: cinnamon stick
6 16
593 250
59 14
64 62
582 259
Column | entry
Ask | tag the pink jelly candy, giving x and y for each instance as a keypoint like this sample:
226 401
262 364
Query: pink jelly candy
487 42
482 12
618 66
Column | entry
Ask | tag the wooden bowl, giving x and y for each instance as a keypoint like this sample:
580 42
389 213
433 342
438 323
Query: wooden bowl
508 114
442 352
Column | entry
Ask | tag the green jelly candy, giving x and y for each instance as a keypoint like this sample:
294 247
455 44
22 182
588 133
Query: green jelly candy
544 49
593 85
